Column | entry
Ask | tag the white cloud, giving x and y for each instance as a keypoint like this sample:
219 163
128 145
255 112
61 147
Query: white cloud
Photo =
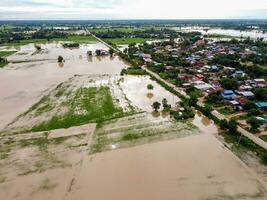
130 9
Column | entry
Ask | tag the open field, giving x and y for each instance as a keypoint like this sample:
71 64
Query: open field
118 41
35 75
138 129
71 38
80 100
6 53
2 64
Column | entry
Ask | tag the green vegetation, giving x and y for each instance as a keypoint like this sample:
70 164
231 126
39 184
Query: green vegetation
133 71
150 87
87 105
118 29
125 40
6 53
71 38
156 106
264 137
3 64
226 110
137 129
244 145
76 38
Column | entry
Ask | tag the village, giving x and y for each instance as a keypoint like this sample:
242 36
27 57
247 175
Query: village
226 75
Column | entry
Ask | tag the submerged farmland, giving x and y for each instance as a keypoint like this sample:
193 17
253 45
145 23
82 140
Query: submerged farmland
71 129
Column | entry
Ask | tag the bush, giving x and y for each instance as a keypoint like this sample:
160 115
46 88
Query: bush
150 87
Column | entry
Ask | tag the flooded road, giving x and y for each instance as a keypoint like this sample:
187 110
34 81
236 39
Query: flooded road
204 124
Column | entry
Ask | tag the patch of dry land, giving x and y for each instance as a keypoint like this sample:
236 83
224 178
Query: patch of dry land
82 131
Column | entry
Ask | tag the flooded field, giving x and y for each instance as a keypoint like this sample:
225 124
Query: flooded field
142 97
176 169
74 130
23 84
228 32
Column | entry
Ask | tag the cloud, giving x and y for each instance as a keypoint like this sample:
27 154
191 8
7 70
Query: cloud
131 9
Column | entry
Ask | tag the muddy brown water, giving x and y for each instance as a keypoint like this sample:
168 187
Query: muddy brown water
196 167
135 88
193 168
23 84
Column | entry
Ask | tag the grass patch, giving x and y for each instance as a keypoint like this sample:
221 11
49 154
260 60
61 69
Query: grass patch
70 38
87 105
6 53
133 71
3 64
136 130
76 38
263 137
125 40
119 29
245 145
226 110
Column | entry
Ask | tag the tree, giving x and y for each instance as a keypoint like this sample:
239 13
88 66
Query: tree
111 51
60 59
229 83
255 124
249 106
156 106
232 125
214 98
150 87
261 94
193 100
165 104
224 124
98 52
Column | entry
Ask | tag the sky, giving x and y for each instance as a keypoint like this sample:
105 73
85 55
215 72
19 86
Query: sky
132 9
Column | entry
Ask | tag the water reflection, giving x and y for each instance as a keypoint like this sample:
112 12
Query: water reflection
155 114
150 95
204 124
61 64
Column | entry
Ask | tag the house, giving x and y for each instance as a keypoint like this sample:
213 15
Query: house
260 82
199 77
146 56
201 85
214 68
247 94
228 94
239 73
241 100
169 67
236 105
200 42
261 105
185 77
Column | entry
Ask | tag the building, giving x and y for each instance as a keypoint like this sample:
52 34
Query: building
201 85
262 105
228 94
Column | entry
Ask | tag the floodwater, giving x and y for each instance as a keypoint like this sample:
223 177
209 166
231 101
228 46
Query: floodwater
193 167
51 51
204 124
135 88
196 167
229 32
23 84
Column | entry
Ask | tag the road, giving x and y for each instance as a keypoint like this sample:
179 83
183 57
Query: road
102 41
215 113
